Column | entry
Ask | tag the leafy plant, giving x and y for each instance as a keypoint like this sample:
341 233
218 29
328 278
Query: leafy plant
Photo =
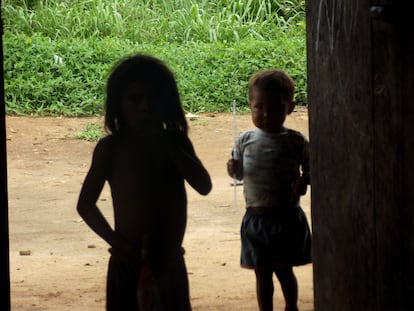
93 132
58 54
153 21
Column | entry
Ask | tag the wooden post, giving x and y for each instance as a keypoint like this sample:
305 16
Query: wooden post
4 213
361 110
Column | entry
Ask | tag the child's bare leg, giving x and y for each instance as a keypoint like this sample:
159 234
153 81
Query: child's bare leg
289 286
264 289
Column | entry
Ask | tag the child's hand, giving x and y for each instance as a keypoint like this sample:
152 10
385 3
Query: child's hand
234 169
299 187
173 136
122 249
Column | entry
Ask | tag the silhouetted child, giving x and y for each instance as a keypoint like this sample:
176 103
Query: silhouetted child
275 234
146 158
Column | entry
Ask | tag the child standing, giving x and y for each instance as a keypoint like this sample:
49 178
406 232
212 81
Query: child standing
275 234
146 158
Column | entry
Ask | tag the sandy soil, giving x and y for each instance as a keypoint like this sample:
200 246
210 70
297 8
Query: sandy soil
57 263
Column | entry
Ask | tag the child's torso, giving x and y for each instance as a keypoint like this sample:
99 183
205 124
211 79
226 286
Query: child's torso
271 164
148 193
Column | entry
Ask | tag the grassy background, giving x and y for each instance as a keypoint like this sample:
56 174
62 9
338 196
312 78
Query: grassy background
57 54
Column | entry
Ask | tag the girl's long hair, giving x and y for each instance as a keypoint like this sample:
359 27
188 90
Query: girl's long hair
152 72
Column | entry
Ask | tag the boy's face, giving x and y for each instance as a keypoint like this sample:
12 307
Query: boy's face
268 111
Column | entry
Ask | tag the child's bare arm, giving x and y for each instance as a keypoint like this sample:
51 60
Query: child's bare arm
299 187
189 165
91 189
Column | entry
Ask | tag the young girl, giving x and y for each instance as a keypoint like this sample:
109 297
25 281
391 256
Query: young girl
145 159
273 162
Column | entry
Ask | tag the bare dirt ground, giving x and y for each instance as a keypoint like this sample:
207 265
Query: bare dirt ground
57 263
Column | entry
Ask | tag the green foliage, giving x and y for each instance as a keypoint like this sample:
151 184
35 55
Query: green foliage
58 54
147 21
211 76
43 76
93 132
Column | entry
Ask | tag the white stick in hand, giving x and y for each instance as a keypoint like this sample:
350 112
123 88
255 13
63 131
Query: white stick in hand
235 156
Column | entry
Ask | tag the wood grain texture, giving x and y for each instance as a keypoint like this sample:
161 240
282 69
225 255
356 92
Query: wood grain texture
360 92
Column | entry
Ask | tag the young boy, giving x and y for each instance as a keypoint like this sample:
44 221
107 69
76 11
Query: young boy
275 234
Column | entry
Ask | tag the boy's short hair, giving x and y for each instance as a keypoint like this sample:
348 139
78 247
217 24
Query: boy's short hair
273 81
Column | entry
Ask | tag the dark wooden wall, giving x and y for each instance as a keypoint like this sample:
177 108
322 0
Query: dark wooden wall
4 216
361 112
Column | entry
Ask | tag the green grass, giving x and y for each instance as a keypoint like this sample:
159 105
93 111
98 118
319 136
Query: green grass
92 132
57 54
146 21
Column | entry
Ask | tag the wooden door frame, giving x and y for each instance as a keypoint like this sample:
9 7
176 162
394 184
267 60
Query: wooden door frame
4 212
361 117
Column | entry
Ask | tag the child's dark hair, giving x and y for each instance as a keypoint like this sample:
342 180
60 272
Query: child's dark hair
275 82
163 88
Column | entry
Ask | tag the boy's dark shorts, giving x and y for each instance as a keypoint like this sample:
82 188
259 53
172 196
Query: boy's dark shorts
279 238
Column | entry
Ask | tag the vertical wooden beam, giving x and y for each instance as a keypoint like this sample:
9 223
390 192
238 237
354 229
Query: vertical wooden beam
342 153
4 213
393 93
407 93
361 110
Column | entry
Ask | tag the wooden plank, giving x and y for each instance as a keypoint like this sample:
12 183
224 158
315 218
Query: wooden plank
361 108
388 166
407 91
341 134
393 69
4 210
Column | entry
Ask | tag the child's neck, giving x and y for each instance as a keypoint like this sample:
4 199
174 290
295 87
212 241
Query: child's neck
276 130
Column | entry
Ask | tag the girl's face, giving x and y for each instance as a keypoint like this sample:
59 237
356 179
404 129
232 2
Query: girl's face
138 109
268 112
